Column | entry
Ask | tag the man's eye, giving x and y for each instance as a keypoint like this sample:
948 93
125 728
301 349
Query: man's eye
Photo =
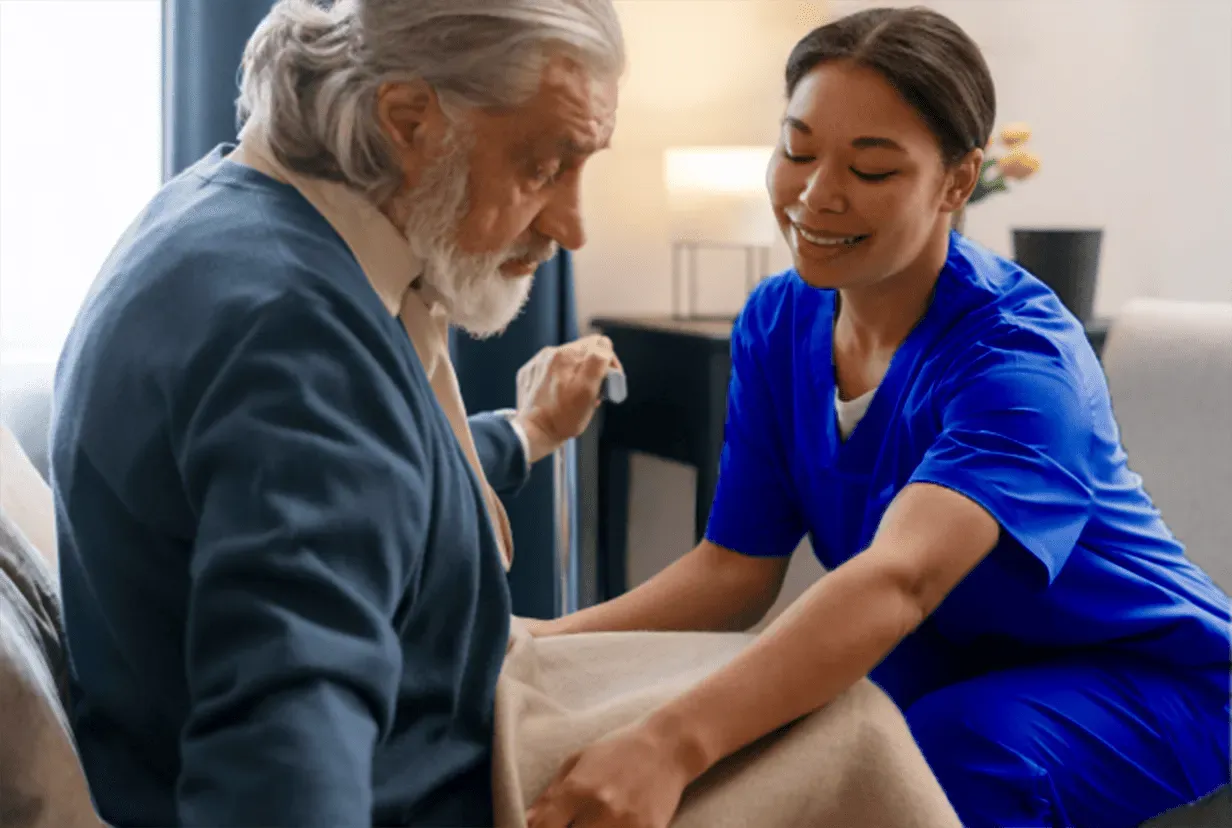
546 173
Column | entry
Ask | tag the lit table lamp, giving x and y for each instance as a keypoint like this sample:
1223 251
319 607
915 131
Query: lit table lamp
717 199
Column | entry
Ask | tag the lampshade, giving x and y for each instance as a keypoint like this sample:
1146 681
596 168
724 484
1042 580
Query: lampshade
718 195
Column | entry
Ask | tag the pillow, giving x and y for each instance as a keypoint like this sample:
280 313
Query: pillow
41 781
25 497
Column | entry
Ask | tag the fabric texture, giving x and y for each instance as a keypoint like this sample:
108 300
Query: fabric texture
387 262
285 599
505 462
1005 745
850 412
203 44
25 498
485 369
41 781
995 394
1171 363
854 763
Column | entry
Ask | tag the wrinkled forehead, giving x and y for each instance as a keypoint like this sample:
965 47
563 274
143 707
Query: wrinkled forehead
573 111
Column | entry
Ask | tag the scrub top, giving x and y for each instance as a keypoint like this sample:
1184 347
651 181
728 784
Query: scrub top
995 394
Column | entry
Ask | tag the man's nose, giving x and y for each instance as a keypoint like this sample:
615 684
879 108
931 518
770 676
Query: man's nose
561 219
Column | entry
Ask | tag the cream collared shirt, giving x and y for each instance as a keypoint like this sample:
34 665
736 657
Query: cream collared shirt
391 268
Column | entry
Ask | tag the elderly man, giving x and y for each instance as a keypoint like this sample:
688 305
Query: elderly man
283 558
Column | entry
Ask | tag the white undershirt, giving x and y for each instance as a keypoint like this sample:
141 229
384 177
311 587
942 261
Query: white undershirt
850 412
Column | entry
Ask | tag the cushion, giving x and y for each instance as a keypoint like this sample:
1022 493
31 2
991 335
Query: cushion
41 781
1169 367
25 498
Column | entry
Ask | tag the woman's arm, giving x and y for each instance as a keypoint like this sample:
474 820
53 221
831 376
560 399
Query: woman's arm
1012 459
710 588
837 632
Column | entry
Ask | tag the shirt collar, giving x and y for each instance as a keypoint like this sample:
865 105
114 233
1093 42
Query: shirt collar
382 252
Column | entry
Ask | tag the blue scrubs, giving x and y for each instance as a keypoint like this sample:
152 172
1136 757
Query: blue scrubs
1080 673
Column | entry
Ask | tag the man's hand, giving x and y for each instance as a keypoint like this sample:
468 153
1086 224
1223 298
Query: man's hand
558 391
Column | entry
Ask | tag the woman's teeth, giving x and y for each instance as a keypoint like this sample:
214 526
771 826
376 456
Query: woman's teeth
828 241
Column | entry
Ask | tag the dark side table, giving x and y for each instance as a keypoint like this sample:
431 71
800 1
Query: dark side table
678 371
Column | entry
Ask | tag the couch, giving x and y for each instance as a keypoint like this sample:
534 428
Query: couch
1169 367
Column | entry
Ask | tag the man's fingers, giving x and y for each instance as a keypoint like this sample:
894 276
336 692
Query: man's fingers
598 340
595 366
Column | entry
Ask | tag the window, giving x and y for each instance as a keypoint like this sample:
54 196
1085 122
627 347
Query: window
80 155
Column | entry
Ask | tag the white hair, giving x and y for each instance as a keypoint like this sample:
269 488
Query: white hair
311 72
478 298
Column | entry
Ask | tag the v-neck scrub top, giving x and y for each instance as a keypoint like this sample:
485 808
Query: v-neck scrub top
995 394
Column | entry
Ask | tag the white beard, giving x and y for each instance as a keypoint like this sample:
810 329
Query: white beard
477 297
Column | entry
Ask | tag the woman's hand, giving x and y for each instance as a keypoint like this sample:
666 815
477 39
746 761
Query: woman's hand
540 627
633 778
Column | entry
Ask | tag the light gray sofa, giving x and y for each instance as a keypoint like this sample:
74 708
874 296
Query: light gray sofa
1169 366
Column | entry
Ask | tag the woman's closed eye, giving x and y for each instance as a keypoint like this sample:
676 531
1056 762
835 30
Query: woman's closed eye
861 174
868 176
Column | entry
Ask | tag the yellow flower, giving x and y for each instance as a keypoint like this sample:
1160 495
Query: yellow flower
1016 134
1018 164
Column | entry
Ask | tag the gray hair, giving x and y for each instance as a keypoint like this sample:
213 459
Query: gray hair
310 73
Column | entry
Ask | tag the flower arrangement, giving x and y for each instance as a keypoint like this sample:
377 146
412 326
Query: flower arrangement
1017 164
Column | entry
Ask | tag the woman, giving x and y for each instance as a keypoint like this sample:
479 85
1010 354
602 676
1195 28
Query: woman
937 424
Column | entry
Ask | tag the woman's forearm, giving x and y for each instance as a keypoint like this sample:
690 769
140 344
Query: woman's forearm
708 589
830 638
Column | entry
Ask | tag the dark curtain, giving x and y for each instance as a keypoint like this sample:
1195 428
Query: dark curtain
486 371
203 41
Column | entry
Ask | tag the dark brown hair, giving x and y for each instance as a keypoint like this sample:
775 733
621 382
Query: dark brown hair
924 55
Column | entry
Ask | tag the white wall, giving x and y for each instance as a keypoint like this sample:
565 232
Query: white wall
1130 100
701 72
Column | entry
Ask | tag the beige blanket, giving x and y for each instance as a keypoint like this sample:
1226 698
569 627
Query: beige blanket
851 764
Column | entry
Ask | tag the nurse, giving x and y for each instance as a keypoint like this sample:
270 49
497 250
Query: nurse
936 423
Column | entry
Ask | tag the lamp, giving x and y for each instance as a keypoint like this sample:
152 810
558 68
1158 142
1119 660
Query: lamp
717 199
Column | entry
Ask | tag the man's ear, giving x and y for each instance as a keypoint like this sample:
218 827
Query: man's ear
961 180
410 115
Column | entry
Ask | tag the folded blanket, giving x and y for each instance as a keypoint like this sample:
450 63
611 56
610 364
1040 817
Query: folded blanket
852 763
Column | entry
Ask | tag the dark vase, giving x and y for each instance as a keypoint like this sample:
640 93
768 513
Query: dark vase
1065 260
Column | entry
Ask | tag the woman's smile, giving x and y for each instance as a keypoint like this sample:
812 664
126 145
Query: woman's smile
822 246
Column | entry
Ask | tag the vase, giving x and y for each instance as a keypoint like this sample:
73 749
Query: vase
1065 260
